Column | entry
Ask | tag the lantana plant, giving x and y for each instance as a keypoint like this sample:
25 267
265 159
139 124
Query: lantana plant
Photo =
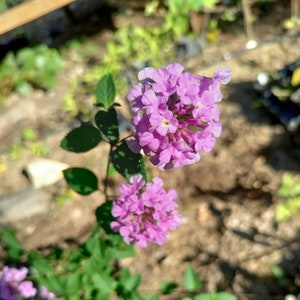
175 116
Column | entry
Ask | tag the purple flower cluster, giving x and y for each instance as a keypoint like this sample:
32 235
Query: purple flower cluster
145 212
13 285
176 114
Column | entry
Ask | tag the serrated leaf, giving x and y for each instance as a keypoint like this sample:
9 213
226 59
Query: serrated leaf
104 282
105 91
81 139
81 180
92 244
126 162
108 124
73 284
129 281
42 266
94 264
191 279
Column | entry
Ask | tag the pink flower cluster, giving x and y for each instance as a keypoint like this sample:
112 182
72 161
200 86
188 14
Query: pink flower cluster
176 114
145 212
13 285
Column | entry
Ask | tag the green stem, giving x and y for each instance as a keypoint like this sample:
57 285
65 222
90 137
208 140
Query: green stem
125 138
108 165
106 175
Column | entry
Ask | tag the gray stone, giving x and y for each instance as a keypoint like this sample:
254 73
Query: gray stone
23 204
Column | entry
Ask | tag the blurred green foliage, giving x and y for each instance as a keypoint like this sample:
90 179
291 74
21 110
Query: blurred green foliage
28 141
5 4
289 191
29 68
90 270
132 45
136 45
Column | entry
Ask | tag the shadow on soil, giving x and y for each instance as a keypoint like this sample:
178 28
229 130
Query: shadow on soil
283 153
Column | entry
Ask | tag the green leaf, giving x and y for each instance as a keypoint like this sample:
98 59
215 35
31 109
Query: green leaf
94 245
129 281
81 139
126 162
104 217
52 282
290 186
9 237
191 279
24 55
105 91
167 287
42 265
81 180
94 265
108 124
88 288
287 209
118 249
73 284
104 282
15 248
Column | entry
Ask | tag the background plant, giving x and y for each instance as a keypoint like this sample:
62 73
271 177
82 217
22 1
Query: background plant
289 192
136 46
5 4
92 271
30 68
177 17
28 140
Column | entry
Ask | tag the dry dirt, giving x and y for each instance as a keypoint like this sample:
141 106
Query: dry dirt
229 234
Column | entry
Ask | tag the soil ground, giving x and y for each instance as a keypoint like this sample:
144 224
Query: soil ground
229 234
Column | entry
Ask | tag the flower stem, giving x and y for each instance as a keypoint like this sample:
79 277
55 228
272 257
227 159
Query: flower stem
107 174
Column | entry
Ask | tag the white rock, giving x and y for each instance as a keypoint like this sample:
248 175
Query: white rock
251 44
44 172
290 297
